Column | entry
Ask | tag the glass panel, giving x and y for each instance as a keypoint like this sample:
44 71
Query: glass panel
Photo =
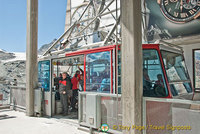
119 71
179 88
119 57
119 90
153 79
197 68
176 72
175 66
98 72
44 74
119 80
111 111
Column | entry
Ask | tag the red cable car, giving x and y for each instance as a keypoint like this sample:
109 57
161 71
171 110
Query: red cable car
164 72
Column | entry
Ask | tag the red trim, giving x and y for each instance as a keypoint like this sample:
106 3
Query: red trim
151 46
88 51
85 72
165 75
111 65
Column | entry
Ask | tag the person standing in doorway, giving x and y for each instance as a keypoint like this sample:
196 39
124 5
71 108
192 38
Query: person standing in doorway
64 86
75 87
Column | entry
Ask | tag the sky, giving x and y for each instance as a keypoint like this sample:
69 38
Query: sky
51 22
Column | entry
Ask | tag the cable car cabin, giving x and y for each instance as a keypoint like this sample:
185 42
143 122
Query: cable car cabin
164 71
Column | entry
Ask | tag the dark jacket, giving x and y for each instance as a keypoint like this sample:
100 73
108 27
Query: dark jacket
65 85
56 82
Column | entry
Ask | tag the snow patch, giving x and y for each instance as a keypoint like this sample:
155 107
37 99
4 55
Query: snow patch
4 51
19 56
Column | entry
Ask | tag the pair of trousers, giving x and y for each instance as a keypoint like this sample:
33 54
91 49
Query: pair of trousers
64 102
74 95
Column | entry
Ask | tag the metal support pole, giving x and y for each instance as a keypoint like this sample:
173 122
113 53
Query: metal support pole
68 15
31 55
131 50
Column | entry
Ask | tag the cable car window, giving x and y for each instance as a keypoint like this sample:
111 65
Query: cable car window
177 74
98 72
153 78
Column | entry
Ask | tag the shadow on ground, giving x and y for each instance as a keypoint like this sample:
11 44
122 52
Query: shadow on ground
71 115
5 116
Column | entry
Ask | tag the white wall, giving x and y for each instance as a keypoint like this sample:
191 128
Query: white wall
188 57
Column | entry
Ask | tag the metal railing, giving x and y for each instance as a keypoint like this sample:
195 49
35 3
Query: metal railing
13 94
4 95
18 96
107 110
160 115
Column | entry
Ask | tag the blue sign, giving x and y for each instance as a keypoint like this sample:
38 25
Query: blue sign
44 74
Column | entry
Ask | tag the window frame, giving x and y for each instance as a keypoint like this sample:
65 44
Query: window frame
168 92
170 83
194 71
111 69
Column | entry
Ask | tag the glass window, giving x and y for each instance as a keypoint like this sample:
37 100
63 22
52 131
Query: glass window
98 72
69 65
153 79
119 71
176 73
197 68
44 74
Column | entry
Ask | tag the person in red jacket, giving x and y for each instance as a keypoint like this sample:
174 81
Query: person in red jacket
75 87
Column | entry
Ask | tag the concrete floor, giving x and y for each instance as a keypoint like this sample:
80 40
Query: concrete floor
14 122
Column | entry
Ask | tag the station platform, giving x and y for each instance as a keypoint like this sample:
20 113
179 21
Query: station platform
14 122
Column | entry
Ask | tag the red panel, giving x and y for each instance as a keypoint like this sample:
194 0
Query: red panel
108 48
94 50
150 46
85 72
